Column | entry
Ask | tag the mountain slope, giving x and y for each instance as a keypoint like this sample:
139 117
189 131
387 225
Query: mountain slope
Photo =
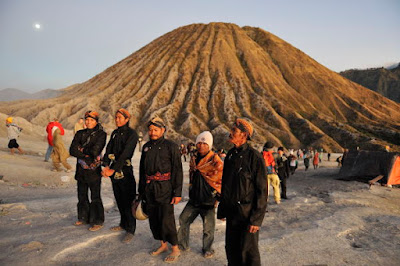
16 94
382 80
201 76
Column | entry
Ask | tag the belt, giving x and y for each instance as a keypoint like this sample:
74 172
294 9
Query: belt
158 177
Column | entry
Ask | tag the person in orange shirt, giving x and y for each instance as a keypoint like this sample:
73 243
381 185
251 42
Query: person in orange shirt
316 159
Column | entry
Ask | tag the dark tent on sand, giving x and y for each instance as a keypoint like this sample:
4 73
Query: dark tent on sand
366 165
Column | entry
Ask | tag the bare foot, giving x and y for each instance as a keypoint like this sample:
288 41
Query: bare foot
159 250
173 256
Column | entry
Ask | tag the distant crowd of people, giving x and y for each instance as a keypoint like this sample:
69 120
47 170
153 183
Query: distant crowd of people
232 185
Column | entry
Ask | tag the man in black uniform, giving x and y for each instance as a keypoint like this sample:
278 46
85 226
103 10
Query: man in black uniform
160 186
86 147
118 166
283 170
243 197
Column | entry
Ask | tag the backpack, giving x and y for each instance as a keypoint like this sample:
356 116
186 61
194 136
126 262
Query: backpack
270 162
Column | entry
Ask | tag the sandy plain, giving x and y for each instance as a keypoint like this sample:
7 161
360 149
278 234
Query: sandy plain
325 221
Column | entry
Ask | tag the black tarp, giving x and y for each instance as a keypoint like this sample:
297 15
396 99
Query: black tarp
366 165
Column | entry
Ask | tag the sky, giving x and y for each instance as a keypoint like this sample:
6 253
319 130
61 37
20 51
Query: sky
78 39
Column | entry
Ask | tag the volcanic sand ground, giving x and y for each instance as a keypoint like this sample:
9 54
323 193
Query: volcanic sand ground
324 221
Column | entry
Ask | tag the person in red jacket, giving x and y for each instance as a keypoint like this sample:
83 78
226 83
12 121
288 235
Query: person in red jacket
316 159
51 127
271 167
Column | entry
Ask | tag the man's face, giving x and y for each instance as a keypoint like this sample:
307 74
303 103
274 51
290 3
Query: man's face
202 148
237 136
120 120
280 152
90 122
155 132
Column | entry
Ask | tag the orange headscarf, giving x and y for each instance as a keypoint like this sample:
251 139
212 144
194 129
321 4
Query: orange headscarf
92 114
245 126
124 112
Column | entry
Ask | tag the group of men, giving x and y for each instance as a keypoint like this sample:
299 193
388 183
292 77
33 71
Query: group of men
239 185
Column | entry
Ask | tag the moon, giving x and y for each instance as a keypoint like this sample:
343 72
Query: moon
37 26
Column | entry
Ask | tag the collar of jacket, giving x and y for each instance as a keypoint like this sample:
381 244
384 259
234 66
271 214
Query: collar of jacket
124 127
157 141
96 128
242 148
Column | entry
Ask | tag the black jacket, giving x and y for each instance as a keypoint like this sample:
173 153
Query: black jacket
161 156
283 166
244 186
92 141
122 144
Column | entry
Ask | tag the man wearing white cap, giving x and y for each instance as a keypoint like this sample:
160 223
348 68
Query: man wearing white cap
205 184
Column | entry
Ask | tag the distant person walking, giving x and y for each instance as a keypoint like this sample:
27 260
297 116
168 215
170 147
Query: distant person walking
301 154
329 156
205 185
191 149
339 161
79 125
183 151
292 164
13 132
86 147
118 166
271 169
282 163
307 156
49 131
59 154
316 160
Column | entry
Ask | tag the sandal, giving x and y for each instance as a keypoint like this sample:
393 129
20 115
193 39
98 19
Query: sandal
172 258
78 223
116 228
95 227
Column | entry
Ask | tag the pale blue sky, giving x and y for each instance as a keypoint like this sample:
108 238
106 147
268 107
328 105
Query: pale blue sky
80 38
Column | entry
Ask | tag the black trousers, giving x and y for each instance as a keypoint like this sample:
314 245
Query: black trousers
283 185
124 193
241 246
162 222
292 169
91 212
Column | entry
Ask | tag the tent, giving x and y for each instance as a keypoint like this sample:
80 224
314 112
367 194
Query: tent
366 165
